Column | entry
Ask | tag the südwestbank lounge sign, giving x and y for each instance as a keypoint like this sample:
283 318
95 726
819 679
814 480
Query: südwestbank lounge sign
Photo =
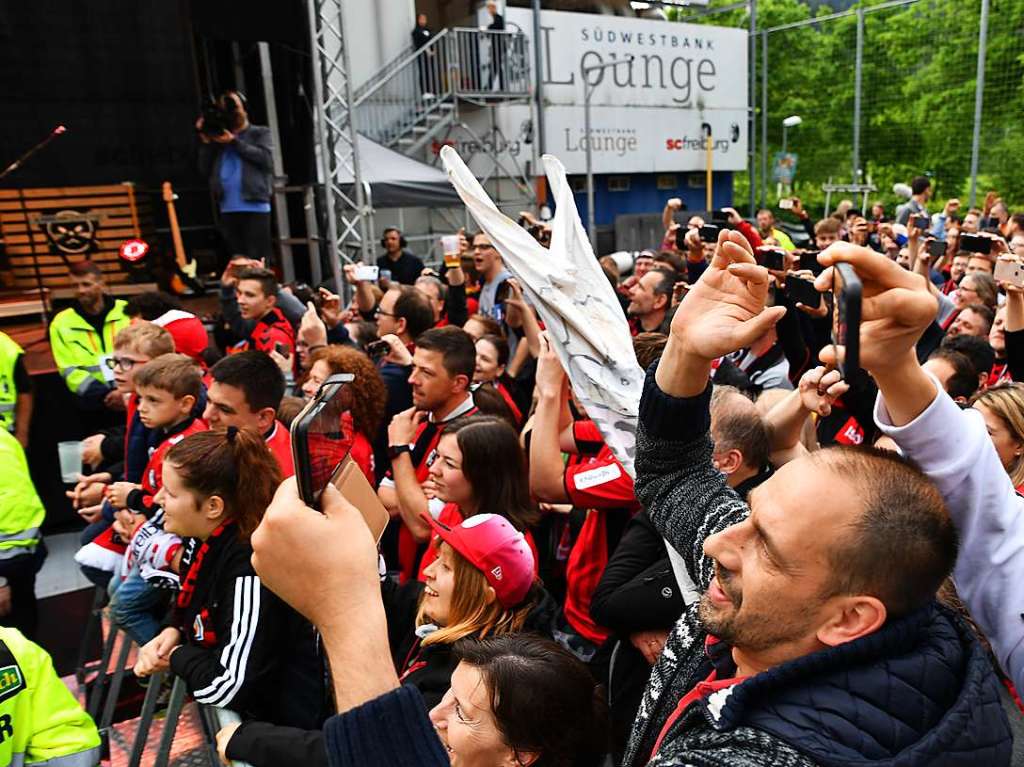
647 115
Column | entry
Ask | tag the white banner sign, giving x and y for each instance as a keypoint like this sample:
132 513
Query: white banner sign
647 115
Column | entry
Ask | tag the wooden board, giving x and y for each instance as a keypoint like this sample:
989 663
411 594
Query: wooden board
116 214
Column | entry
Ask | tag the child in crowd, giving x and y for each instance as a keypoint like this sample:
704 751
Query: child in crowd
167 390
233 641
124 450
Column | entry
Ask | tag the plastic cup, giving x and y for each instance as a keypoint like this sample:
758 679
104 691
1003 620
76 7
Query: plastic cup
450 248
70 454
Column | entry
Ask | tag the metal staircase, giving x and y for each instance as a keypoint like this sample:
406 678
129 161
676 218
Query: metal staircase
418 95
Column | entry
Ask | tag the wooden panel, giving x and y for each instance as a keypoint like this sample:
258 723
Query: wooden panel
38 238
64 202
66 191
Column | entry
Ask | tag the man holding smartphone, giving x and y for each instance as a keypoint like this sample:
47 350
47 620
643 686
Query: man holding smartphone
921 192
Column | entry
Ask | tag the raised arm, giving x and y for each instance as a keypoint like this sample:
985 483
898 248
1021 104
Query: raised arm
686 498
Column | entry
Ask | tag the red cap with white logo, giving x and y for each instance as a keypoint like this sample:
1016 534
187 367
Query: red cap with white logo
498 550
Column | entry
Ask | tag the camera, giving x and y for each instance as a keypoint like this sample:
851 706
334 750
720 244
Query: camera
218 118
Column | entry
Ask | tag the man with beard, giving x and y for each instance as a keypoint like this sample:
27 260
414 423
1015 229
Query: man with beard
650 302
818 639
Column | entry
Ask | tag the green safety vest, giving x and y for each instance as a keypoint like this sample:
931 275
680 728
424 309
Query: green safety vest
9 353
21 511
78 350
41 723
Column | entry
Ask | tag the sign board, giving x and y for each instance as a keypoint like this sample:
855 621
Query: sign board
646 115
784 168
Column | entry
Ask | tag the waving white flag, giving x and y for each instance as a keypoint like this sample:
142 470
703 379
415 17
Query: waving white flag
574 299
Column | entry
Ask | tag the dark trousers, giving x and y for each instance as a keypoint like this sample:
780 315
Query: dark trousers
20 573
247 234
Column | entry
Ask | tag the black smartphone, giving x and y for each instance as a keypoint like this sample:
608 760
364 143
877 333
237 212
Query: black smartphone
282 349
772 258
377 350
809 261
709 233
318 443
720 217
936 248
799 290
848 292
920 222
975 243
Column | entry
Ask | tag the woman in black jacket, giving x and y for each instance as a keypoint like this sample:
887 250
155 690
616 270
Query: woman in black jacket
234 643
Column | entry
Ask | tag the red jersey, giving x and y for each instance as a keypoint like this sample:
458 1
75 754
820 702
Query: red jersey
141 501
507 396
424 448
280 443
270 331
597 482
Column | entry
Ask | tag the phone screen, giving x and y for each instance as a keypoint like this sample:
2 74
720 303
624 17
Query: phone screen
318 443
847 288
709 233
772 258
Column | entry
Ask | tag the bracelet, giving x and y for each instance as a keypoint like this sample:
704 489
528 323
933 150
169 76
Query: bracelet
396 450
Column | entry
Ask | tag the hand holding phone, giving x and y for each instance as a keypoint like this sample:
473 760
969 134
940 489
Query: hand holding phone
920 222
1010 272
785 204
848 292
367 273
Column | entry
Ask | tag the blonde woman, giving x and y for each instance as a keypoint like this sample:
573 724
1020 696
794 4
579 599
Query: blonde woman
1002 407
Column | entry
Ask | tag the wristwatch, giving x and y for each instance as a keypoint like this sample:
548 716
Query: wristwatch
396 450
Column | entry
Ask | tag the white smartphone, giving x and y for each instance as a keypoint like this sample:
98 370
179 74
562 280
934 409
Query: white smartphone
786 203
367 273
1011 272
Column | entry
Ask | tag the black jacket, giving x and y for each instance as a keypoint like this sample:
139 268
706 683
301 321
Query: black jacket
242 647
919 691
254 147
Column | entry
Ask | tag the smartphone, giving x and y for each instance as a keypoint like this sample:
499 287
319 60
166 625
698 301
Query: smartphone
377 350
283 349
809 261
1011 272
786 203
936 248
356 489
772 258
848 291
318 443
367 273
975 243
720 216
920 222
799 290
385 275
709 233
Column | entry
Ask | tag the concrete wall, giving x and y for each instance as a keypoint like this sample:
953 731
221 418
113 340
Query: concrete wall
377 31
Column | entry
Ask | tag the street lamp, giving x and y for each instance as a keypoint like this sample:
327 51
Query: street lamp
588 90
790 122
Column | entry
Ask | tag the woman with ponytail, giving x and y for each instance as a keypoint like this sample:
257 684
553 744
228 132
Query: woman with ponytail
234 642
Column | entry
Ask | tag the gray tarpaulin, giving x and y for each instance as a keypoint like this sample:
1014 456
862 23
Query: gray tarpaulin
397 181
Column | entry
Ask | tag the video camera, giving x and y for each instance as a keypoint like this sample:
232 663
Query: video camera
219 116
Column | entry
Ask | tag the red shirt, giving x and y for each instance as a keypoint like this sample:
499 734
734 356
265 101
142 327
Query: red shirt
597 482
270 331
280 443
152 475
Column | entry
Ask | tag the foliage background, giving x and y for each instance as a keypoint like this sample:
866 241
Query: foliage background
918 86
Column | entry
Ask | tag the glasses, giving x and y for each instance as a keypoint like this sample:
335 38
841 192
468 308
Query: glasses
378 312
125 363
488 246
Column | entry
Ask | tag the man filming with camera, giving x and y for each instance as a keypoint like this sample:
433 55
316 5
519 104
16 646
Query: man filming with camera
236 157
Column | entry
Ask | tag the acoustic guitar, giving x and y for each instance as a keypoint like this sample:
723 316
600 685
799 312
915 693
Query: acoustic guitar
183 281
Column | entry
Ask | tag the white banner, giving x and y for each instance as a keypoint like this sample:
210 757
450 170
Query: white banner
647 115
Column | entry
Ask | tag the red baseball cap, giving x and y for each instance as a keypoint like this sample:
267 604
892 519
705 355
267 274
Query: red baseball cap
498 550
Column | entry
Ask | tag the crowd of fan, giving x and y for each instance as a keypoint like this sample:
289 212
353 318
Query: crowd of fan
781 585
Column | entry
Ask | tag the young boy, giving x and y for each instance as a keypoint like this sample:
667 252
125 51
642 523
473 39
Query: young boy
256 297
123 451
167 390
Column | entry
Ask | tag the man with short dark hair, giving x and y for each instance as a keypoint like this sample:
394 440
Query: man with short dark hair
442 371
82 338
767 229
402 315
740 438
954 371
921 192
255 305
650 302
819 596
401 263
973 320
245 392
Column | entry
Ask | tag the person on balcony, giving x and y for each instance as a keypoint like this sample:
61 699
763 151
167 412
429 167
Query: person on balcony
421 35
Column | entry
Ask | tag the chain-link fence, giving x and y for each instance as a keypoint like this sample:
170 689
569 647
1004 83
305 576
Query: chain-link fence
886 92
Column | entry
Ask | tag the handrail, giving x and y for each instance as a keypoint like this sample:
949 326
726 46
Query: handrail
382 81
389 67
